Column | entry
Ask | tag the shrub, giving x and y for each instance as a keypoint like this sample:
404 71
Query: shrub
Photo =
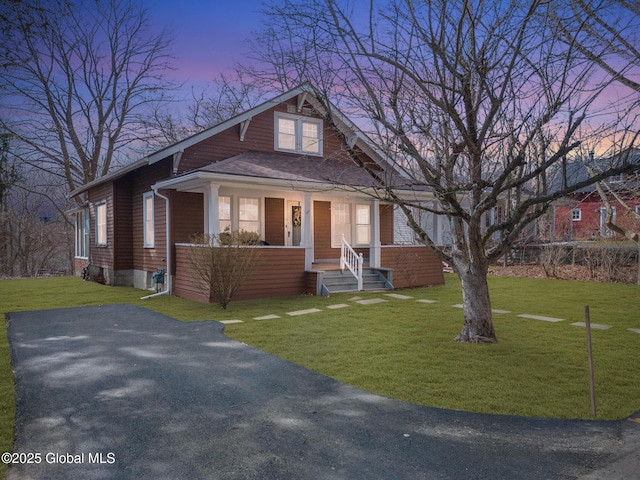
221 264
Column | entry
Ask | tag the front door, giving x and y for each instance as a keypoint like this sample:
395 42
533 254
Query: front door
294 223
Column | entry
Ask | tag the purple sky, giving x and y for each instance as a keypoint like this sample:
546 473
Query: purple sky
209 36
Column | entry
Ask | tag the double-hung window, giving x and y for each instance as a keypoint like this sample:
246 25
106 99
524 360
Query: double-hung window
101 224
148 220
358 231
298 134
224 213
249 214
363 224
82 234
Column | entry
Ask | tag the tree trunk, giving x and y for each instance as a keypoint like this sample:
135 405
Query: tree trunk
478 324
638 279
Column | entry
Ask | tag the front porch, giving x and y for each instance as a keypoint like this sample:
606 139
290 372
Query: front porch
281 272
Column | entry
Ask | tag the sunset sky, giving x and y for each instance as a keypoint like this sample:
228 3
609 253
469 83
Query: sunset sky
209 36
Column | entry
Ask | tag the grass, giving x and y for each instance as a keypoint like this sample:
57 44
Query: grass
405 350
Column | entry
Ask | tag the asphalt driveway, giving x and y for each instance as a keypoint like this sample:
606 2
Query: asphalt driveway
123 392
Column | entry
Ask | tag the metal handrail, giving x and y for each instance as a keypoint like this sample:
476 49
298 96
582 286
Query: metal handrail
350 259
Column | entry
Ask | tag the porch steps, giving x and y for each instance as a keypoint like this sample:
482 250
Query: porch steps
343 281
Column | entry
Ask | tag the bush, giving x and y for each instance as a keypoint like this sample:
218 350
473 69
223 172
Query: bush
221 264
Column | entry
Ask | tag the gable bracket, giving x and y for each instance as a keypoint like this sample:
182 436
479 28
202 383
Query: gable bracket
301 99
351 140
176 161
244 126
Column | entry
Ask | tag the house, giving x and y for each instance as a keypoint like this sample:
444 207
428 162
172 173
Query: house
278 169
582 215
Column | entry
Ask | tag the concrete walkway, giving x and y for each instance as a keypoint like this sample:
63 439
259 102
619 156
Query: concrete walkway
121 392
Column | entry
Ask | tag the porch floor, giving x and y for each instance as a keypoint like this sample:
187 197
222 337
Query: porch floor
331 264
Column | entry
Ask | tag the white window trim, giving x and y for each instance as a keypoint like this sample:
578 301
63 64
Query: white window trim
353 225
227 221
148 242
259 229
299 121
81 234
98 206
579 216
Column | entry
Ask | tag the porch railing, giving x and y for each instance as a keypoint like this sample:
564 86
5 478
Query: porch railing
351 260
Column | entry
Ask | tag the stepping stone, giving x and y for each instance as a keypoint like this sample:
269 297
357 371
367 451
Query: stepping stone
304 312
459 305
353 299
371 301
227 322
636 330
267 317
540 317
424 300
597 326
397 295
339 305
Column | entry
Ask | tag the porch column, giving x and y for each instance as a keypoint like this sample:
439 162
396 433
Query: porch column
374 251
306 237
211 212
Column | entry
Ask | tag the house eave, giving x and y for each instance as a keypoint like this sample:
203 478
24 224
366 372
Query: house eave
110 177
196 182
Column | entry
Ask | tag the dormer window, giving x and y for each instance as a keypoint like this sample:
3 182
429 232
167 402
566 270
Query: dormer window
294 133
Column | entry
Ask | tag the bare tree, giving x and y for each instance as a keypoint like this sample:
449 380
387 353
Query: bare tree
75 81
479 101
225 97
221 264
605 33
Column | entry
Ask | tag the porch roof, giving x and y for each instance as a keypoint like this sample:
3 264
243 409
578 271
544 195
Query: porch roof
272 168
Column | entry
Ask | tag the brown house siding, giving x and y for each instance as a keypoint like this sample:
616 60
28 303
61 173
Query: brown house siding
386 224
144 258
413 266
183 283
279 272
101 256
123 211
259 137
187 216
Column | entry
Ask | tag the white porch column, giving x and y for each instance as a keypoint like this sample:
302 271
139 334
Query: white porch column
374 251
211 212
306 237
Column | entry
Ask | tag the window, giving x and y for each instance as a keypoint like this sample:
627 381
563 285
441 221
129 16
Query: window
82 234
148 220
637 209
617 178
341 216
358 231
101 224
249 214
298 134
576 214
363 224
224 213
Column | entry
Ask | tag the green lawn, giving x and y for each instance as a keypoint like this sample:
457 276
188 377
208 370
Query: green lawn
405 349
